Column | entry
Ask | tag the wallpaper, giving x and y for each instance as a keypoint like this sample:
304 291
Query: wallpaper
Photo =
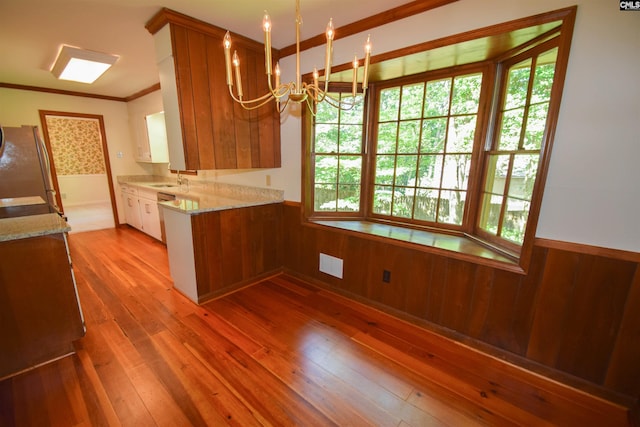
76 144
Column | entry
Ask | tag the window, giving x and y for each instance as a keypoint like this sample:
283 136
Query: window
512 161
459 150
423 147
338 150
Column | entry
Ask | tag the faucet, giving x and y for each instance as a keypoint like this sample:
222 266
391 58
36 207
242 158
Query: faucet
182 181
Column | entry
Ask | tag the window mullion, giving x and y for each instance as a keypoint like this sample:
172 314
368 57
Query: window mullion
527 105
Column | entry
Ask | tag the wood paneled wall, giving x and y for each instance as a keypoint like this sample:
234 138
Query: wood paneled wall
235 247
574 313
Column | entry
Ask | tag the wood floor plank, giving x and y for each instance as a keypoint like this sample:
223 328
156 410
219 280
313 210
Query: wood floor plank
312 382
94 395
273 399
122 394
64 404
217 404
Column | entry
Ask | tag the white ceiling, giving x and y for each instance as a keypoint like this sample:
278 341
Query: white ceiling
31 32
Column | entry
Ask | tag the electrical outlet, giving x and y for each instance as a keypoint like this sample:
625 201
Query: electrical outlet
386 276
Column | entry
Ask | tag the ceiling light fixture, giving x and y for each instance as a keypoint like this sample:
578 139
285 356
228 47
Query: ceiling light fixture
298 91
79 65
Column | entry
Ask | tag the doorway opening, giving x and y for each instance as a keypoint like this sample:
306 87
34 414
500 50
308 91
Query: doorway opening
80 169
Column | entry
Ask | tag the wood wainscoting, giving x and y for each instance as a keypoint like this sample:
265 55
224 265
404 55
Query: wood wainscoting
573 317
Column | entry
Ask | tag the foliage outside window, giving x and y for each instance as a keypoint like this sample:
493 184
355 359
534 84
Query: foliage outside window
338 149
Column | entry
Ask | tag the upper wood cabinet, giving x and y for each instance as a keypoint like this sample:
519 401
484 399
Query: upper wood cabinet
206 129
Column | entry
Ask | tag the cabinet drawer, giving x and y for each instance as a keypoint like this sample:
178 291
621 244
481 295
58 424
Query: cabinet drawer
147 194
129 189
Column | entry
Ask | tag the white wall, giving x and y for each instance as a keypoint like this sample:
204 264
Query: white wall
20 107
77 190
592 194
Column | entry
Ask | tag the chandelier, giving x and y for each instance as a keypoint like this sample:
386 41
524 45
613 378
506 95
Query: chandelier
296 91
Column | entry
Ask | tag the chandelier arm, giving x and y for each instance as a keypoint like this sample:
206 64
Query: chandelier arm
316 93
283 107
266 96
275 92
248 104
339 103
311 107
283 90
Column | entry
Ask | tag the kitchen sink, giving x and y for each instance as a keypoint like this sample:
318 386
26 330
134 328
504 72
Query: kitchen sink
163 185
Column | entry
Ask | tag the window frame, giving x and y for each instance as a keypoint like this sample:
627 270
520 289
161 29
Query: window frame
484 138
492 141
483 110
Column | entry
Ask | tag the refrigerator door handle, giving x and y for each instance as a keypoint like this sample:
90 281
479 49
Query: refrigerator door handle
47 168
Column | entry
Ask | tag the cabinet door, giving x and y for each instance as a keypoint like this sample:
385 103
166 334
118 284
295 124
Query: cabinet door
41 316
132 210
150 218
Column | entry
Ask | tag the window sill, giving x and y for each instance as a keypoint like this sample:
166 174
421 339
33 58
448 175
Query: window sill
448 245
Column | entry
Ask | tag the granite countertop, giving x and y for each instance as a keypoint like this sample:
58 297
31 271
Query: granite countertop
202 196
32 226
21 201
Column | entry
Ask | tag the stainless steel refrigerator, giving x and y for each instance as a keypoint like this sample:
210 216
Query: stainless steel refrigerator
25 171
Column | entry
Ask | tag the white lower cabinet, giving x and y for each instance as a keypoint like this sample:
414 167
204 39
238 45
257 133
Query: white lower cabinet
150 215
131 206
141 210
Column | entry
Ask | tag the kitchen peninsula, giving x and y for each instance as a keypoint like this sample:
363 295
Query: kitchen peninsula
219 236
39 309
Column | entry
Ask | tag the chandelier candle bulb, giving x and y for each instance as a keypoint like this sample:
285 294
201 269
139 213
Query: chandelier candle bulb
356 63
227 58
236 65
367 56
266 25
277 75
329 52
315 77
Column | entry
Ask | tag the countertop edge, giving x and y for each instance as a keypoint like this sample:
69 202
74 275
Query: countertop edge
240 204
24 227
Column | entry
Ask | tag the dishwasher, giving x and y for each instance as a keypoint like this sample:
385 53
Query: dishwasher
164 197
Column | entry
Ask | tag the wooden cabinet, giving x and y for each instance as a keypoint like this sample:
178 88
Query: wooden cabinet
39 309
206 129
213 253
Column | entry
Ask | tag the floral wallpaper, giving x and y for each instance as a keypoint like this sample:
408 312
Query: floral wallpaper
76 144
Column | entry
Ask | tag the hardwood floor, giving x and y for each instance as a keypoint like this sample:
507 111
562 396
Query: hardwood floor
276 353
